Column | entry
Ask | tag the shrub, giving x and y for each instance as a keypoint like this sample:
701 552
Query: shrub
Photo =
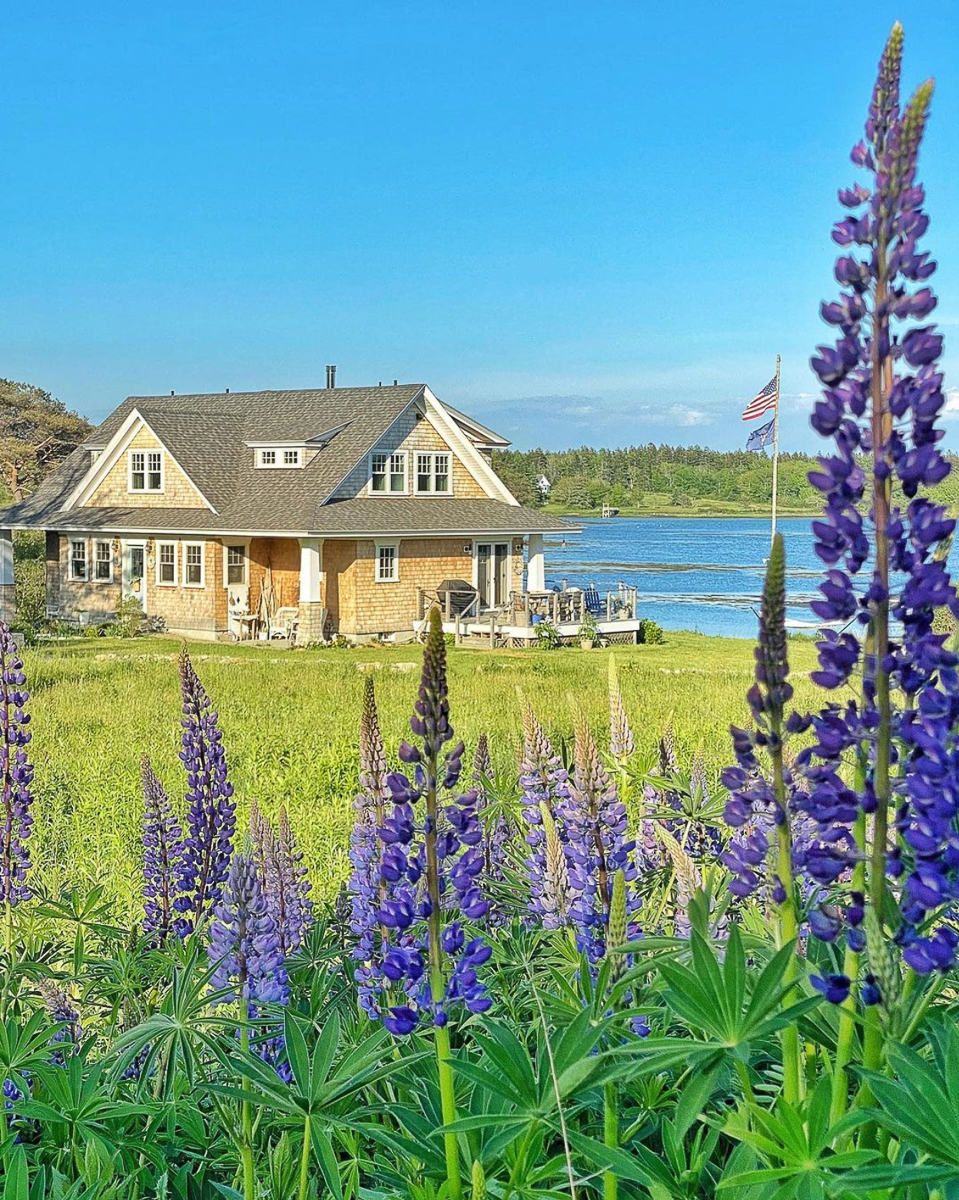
650 633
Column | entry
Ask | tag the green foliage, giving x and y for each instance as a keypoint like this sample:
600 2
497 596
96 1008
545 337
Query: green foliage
36 433
658 478
547 636
650 633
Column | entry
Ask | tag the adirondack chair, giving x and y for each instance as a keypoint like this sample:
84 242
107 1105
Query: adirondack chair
594 605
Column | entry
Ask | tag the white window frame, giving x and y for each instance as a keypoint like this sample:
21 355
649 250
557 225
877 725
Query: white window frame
430 489
146 472
97 560
391 456
227 547
187 547
379 548
279 458
159 564
74 577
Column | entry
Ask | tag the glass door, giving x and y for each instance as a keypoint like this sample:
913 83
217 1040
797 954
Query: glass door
133 573
492 573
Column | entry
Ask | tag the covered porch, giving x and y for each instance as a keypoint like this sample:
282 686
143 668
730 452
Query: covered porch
275 588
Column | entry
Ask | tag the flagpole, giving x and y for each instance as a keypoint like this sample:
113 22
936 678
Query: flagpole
775 451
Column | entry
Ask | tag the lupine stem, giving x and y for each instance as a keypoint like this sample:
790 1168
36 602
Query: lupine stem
882 491
246 1115
305 1158
610 1138
789 931
846 1037
438 986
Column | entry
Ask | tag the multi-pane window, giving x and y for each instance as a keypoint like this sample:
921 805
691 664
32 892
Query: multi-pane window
193 564
78 560
146 471
387 563
433 472
274 456
388 471
166 562
236 564
102 561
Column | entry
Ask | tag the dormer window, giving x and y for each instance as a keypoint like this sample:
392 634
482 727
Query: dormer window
388 471
433 472
146 471
279 456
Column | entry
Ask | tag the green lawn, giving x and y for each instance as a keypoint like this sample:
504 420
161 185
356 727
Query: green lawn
290 725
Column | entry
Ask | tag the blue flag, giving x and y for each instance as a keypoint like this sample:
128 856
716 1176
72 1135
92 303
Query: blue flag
759 437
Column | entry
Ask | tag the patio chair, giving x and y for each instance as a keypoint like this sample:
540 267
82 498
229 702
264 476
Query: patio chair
284 623
594 605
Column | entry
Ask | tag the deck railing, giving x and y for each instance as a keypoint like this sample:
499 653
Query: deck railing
563 606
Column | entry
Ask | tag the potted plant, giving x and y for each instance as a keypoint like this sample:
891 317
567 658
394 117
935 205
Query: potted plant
588 633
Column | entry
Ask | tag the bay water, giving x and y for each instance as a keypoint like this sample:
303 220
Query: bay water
698 573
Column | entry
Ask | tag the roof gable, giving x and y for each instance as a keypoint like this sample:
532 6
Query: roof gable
111 462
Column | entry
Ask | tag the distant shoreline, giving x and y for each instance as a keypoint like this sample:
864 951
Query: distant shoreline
595 514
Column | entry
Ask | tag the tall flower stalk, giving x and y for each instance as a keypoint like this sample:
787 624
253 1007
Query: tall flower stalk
211 810
882 398
283 878
370 886
432 861
17 773
162 857
249 972
768 697
599 846
545 797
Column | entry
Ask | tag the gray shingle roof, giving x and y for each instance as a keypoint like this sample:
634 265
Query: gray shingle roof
207 435
365 517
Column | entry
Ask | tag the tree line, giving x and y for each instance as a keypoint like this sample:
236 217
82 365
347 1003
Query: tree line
587 478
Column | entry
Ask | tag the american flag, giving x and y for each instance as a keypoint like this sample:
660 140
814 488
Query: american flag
765 400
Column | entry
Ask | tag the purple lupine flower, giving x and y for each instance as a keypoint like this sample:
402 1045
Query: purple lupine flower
283 878
882 399
497 831
545 791
288 888
819 845
211 811
244 952
434 862
61 1009
371 886
599 846
697 838
162 855
17 772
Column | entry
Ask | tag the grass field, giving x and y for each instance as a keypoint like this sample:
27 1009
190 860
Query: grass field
290 728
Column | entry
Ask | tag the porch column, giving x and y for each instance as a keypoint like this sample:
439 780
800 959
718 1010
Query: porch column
8 598
536 564
310 627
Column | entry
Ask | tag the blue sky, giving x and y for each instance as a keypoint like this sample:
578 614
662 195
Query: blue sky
583 223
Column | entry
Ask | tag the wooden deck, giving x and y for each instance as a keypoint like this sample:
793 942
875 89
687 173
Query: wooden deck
519 624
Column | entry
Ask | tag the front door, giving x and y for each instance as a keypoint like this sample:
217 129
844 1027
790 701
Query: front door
492 573
133 574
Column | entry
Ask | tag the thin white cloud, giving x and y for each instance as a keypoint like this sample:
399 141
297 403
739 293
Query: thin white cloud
950 410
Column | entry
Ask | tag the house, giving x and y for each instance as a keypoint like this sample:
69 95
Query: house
352 504
543 486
